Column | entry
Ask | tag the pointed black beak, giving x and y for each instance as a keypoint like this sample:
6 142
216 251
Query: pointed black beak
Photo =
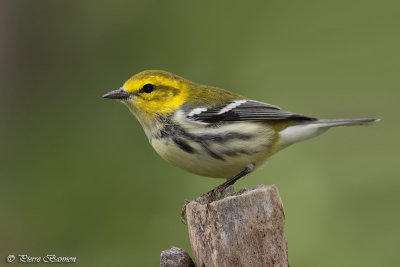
117 94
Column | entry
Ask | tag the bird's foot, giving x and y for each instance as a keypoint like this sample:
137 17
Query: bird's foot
207 198
183 212
216 194
221 191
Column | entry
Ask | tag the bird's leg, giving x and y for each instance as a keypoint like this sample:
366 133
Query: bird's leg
214 194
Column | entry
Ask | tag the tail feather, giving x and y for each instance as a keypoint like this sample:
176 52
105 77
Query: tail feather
309 129
344 122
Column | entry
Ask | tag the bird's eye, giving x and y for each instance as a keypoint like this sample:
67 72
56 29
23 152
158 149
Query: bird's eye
148 88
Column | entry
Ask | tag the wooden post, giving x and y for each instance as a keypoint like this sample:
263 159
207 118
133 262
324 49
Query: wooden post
241 229
245 229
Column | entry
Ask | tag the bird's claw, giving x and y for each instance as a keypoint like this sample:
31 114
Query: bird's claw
207 198
183 212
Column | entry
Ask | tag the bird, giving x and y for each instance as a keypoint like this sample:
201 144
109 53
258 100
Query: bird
213 132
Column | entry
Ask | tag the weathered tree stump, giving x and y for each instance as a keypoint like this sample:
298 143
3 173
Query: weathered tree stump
241 229
245 229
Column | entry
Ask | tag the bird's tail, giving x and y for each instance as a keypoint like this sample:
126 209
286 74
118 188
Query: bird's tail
309 129
343 122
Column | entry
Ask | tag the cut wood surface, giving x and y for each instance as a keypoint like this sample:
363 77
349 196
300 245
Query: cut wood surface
245 229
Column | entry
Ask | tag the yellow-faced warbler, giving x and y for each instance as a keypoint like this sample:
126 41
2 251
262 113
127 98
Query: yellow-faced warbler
210 131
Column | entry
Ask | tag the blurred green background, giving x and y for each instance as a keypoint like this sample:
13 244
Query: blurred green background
78 177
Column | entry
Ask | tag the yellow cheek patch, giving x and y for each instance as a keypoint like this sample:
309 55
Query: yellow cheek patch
157 102
161 105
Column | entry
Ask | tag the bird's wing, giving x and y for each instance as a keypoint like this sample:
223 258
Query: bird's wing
243 110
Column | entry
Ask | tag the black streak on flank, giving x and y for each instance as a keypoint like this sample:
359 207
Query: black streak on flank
222 138
236 153
183 145
171 129
212 153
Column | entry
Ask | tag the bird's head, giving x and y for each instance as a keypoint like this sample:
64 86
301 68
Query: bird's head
151 93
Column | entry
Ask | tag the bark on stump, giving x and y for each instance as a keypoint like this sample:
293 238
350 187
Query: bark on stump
245 229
